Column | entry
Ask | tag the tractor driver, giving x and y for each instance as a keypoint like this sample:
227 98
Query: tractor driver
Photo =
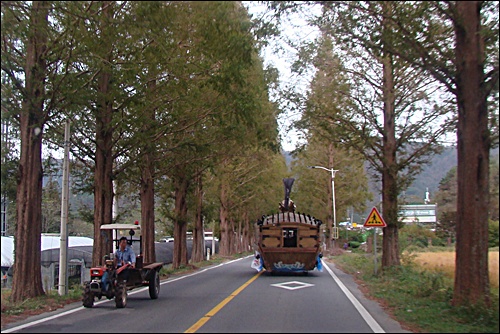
124 254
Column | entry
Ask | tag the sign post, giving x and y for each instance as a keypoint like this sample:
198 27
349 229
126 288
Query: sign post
374 219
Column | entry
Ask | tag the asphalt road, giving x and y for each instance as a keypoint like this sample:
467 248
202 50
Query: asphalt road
228 298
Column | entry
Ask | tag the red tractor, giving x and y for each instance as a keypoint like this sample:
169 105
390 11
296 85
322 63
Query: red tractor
116 286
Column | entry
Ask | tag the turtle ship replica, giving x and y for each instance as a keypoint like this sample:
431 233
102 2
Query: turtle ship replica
288 241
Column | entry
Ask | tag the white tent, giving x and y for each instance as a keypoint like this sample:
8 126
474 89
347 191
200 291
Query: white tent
48 242
7 251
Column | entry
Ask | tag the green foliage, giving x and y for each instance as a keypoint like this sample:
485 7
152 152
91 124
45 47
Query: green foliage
415 236
312 190
354 244
51 207
493 234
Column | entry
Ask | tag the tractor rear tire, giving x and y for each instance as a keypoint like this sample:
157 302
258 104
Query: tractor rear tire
88 297
121 295
154 285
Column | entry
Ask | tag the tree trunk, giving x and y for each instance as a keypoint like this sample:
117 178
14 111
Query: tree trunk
239 235
390 243
233 237
27 279
147 184
224 242
180 256
245 235
473 143
103 184
197 253
148 209
103 176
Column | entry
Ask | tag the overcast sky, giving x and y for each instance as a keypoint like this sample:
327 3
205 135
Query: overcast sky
295 28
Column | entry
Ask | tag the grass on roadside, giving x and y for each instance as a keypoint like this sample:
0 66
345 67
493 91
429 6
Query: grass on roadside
420 297
50 301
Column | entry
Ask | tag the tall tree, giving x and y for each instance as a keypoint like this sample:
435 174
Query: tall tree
457 43
103 181
313 187
27 281
473 145
374 103
100 97
385 95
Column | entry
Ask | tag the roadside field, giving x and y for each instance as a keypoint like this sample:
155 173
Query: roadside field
445 262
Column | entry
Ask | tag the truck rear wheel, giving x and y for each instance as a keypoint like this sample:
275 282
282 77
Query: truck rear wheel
121 295
88 297
154 285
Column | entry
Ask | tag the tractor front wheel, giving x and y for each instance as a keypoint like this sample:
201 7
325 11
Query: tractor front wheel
154 285
88 296
121 295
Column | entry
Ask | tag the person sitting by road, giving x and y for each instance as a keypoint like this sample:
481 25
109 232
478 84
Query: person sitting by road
124 255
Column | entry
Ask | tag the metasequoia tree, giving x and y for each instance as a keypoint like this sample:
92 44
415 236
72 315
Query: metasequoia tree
103 182
457 43
27 281
249 186
376 105
106 100
313 186
34 56
216 54
92 99
241 116
34 50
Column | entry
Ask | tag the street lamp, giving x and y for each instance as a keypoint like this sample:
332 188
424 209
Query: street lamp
332 171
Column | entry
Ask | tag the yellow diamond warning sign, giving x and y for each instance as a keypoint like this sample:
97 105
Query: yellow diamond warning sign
374 219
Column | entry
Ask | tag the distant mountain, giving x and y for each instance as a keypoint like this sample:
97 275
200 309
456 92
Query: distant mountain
436 170
433 173
430 176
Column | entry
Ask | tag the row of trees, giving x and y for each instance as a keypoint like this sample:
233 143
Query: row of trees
166 100
392 78
169 97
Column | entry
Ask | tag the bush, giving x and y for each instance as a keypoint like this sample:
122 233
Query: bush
416 236
354 244
493 234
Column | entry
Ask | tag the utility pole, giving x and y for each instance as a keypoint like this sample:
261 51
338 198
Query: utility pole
5 138
334 233
63 249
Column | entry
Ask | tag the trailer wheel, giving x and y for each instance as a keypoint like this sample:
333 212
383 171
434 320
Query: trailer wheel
154 286
88 297
121 295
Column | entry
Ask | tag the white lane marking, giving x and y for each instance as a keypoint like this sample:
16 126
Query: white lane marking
362 311
294 285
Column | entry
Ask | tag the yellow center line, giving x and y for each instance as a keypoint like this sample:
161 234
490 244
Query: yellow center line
217 308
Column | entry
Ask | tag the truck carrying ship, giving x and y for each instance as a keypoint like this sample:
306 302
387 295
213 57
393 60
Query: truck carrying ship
288 241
